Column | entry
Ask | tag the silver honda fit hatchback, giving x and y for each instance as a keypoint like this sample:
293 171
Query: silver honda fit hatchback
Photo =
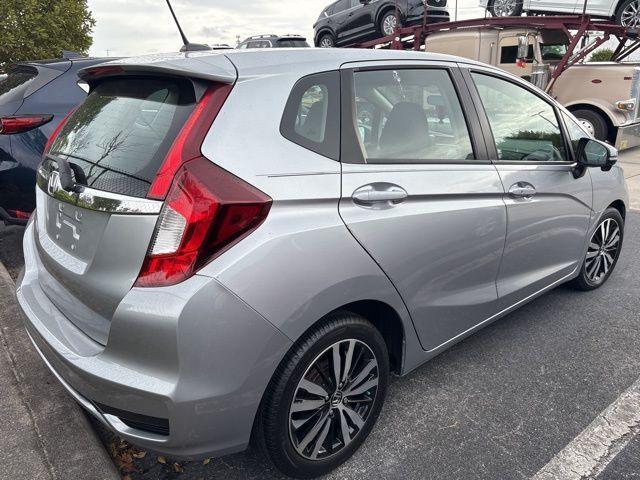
235 245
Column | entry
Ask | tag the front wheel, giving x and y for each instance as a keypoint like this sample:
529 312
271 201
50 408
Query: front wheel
629 14
326 41
388 24
603 252
506 8
325 397
594 122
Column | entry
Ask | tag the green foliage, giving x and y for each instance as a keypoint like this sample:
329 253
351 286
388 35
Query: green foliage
602 55
39 29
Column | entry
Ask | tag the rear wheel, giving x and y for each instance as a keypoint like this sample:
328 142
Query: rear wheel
505 8
629 14
388 23
603 252
325 397
326 41
594 123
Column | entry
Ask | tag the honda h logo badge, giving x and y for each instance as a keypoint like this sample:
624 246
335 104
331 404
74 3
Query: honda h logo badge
54 183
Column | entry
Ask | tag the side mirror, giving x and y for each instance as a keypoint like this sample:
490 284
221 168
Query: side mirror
594 153
523 47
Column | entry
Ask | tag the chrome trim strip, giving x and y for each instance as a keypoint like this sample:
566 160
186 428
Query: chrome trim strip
97 200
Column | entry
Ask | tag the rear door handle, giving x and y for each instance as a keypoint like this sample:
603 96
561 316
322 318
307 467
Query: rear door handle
522 190
379 194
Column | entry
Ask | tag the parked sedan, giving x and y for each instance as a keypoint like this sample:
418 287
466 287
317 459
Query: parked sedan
624 12
34 98
193 290
349 21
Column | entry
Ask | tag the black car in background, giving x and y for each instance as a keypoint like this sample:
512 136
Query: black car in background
274 41
349 21
34 98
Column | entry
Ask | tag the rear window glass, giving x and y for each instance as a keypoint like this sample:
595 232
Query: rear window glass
122 132
292 43
14 85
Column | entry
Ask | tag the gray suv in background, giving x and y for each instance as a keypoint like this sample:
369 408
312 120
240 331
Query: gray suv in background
237 242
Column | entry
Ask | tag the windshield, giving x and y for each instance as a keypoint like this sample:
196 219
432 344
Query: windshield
553 51
122 132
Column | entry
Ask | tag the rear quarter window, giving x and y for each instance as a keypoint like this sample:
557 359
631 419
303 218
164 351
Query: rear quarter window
312 114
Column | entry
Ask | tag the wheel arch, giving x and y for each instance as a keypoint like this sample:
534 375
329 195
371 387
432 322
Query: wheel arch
321 32
621 207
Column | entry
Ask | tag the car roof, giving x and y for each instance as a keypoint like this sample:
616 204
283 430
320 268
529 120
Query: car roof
226 65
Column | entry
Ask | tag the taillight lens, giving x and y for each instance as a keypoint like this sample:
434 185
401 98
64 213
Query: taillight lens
22 123
55 133
206 211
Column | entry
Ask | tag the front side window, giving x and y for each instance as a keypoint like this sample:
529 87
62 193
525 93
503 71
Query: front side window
312 115
410 116
524 126
341 6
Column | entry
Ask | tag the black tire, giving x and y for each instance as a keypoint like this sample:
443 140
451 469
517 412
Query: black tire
621 14
273 431
516 12
596 120
584 281
391 14
326 40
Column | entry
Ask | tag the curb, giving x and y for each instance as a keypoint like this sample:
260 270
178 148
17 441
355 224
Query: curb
68 445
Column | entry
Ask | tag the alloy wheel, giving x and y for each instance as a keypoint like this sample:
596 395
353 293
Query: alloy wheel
389 25
326 42
603 251
333 399
630 16
504 8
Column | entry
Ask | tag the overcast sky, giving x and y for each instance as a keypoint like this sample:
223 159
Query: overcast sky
127 27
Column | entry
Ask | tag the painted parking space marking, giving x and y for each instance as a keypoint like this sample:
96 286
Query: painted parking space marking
590 452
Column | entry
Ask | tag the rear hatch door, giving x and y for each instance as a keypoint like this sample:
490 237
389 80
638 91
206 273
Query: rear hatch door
92 244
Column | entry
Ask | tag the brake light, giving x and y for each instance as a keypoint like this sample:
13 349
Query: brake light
22 123
55 133
207 210
188 142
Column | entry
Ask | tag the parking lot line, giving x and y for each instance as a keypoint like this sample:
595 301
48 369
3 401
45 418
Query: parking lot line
589 453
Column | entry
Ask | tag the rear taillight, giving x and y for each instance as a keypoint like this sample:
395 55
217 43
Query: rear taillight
22 123
187 144
55 133
207 210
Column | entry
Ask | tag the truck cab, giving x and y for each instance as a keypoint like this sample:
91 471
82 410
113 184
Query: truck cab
604 96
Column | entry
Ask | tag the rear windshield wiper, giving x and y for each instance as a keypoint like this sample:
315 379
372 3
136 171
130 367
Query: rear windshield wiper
70 183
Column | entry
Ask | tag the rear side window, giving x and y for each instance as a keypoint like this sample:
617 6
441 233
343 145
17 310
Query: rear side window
292 43
312 117
122 132
410 116
14 86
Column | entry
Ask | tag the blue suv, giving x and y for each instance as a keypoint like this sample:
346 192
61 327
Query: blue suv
34 98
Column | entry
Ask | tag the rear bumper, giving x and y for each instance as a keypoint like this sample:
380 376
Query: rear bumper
628 136
193 356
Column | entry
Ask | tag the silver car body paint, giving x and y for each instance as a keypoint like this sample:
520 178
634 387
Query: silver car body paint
201 353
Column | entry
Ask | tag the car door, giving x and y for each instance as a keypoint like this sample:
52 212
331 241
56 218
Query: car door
548 209
341 17
597 7
419 194
361 18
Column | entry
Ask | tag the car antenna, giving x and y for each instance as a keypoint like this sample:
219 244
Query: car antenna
187 46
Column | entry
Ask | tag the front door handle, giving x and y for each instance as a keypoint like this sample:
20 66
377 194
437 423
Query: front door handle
522 190
379 194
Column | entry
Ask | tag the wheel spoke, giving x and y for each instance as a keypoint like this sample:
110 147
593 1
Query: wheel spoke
592 254
354 417
594 268
608 259
313 388
344 428
321 438
362 388
613 241
363 374
336 364
347 361
307 405
313 432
